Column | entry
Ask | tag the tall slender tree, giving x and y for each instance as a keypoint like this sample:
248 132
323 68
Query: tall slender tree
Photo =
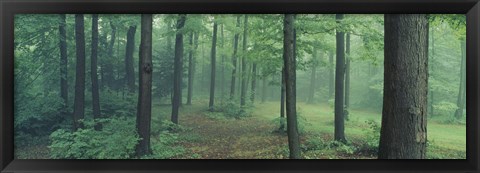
63 61
222 74
93 71
79 102
282 101
339 83
254 83
403 134
178 70
190 70
289 63
213 64
331 84
347 77
234 60
130 48
144 109
313 77
243 90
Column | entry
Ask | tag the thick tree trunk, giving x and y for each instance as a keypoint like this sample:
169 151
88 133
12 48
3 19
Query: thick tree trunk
144 109
178 71
347 77
108 73
63 62
290 85
404 116
130 47
339 83
79 102
462 86
234 61
331 84
243 90
213 63
93 71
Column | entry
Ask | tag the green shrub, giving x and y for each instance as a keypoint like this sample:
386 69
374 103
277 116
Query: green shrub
233 110
372 140
341 147
116 140
165 126
37 115
301 123
445 109
315 143
114 103
165 146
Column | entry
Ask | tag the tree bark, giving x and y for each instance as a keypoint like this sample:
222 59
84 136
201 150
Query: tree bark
213 63
282 102
243 90
290 82
130 48
404 116
462 86
190 70
234 61
79 102
347 77
254 83
331 84
93 72
144 110
178 71
339 83
63 62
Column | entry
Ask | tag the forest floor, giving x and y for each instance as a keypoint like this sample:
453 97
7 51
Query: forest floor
213 136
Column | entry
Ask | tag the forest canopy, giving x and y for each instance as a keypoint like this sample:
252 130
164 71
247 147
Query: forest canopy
240 86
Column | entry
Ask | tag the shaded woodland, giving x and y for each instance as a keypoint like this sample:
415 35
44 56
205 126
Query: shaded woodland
226 86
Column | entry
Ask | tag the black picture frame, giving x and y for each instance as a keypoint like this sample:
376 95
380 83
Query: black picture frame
8 8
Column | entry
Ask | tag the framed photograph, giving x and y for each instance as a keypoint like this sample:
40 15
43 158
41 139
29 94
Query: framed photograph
239 86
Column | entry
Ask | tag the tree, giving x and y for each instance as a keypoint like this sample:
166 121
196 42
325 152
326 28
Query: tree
178 70
79 102
144 109
461 90
254 82
290 85
63 61
190 68
313 75
130 47
243 90
234 60
282 101
212 63
347 77
404 118
107 68
339 83
331 84
93 71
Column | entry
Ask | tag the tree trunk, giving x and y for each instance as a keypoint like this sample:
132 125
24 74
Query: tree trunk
290 85
311 92
243 90
264 89
347 77
462 88
190 70
254 83
63 62
93 72
79 102
178 71
130 72
222 78
144 109
331 74
234 61
108 73
282 102
404 116
213 63
339 83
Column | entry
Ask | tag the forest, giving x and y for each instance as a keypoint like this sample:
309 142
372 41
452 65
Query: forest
239 86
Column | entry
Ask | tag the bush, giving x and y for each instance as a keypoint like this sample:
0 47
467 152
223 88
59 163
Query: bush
165 146
114 103
373 137
116 140
301 121
165 126
445 108
233 110
315 143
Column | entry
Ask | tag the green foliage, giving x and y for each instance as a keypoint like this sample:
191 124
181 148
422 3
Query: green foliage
372 139
233 109
301 123
164 126
116 140
113 103
445 108
165 146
